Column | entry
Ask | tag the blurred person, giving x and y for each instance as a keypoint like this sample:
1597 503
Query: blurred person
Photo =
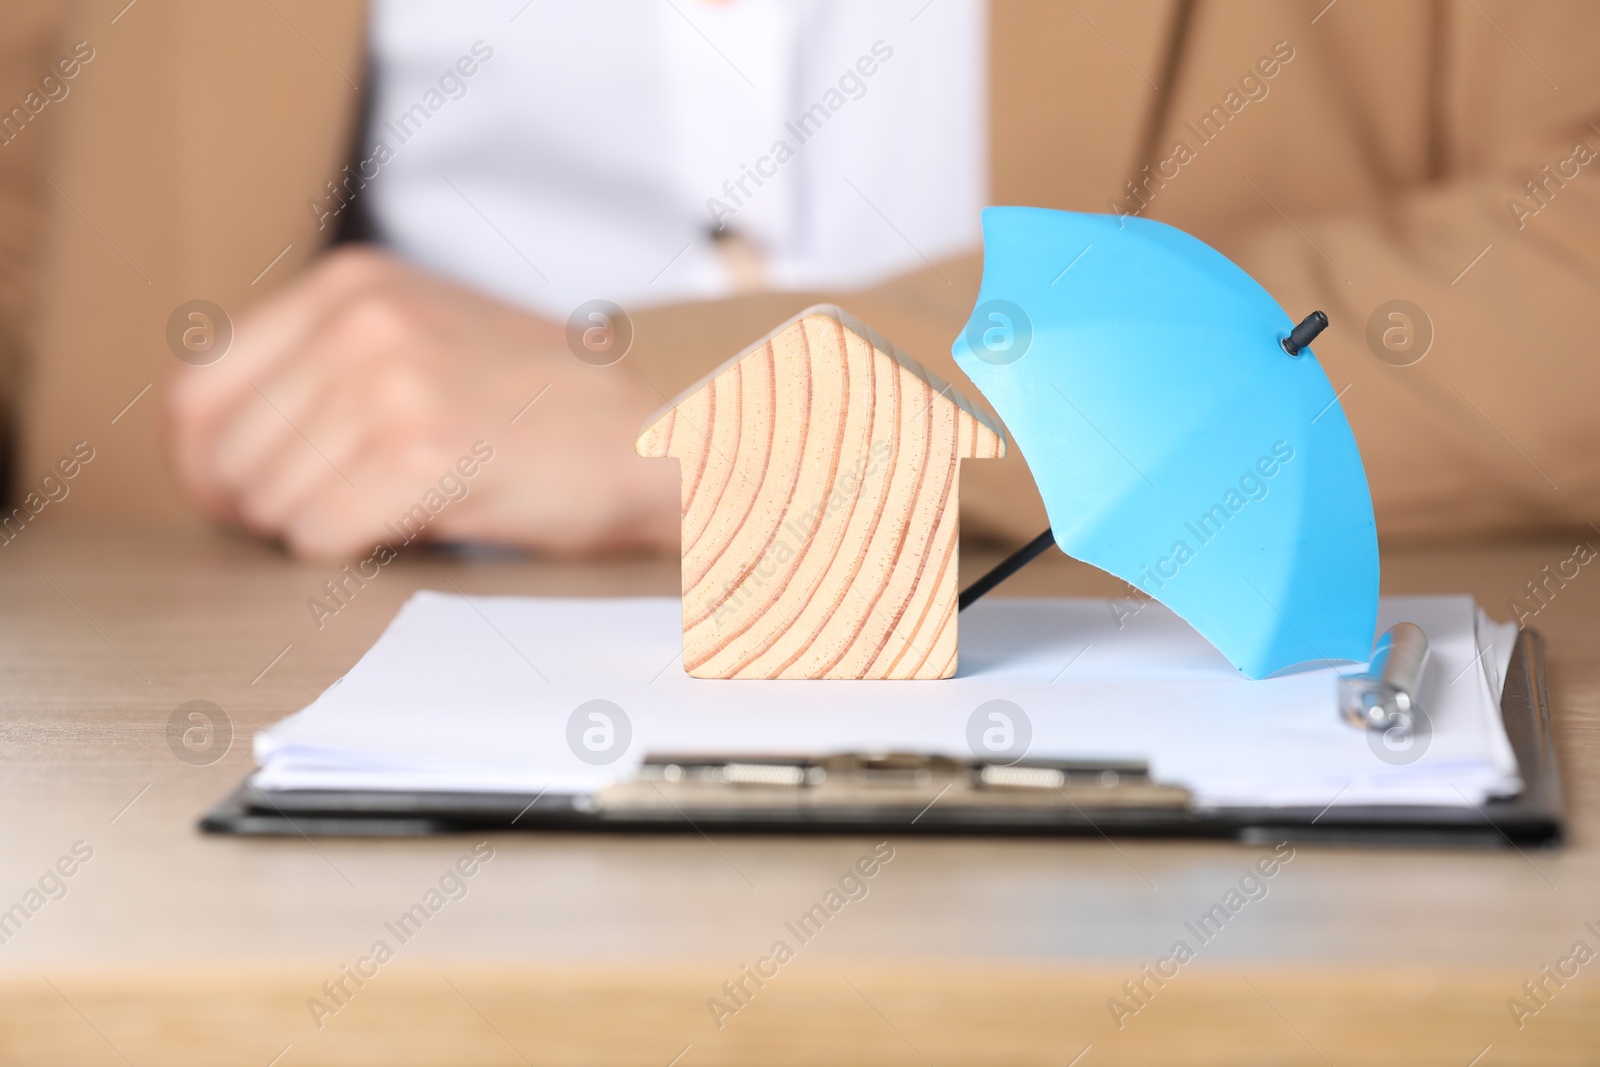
403 204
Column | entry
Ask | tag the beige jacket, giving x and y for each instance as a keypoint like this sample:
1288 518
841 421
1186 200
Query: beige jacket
1434 152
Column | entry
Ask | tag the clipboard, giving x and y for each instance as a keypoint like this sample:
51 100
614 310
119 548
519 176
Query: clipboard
908 793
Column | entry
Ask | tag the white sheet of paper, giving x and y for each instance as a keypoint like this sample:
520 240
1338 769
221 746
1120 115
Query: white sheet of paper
476 693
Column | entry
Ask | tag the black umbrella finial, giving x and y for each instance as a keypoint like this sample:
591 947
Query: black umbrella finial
1304 333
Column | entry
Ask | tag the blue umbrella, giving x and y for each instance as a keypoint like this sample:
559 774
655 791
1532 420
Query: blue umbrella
1181 434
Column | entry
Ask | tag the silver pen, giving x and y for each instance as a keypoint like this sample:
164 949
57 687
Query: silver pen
1386 696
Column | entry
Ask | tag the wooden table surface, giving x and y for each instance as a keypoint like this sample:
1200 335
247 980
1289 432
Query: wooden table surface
171 947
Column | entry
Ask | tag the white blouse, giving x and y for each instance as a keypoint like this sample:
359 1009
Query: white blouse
556 152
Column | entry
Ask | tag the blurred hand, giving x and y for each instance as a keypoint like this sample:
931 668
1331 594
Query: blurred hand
346 398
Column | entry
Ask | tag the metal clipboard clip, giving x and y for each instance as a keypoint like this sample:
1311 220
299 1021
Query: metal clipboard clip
878 782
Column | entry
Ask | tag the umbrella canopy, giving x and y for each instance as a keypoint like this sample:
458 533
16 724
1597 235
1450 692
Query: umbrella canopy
1176 442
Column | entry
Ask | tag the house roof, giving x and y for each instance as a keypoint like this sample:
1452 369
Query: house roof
981 435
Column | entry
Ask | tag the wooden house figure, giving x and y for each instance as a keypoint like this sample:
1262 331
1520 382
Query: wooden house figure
820 498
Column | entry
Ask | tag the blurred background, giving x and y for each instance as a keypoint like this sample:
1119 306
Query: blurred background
277 265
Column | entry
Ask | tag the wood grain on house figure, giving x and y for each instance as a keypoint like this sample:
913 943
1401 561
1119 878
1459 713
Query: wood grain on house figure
820 499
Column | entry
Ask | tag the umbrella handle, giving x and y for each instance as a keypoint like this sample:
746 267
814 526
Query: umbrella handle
1006 568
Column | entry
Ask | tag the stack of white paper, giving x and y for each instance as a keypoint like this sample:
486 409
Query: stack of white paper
475 694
